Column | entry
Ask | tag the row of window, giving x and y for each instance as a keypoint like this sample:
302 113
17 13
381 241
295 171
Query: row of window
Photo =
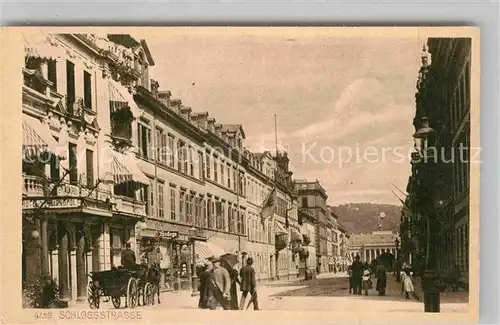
187 160
454 249
195 209
461 166
460 100
258 232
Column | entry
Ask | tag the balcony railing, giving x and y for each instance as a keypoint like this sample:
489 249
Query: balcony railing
129 205
33 185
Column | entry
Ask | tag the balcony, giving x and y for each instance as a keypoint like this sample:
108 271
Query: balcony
33 185
130 206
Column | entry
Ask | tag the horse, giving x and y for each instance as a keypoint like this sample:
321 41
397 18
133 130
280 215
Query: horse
154 276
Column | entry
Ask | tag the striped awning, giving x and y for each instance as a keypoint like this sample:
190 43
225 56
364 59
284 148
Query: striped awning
279 229
119 93
205 250
37 139
123 167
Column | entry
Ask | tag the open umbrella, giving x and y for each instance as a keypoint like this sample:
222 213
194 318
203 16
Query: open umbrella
229 260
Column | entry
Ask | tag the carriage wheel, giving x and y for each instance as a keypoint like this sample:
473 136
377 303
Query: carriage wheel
116 300
154 293
132 293
148 295
93 295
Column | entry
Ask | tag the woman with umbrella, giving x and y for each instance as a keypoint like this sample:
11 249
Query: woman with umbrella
230 261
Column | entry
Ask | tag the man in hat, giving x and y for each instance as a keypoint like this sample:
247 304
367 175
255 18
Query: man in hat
357 274
221 285
205 285
128 257
248 284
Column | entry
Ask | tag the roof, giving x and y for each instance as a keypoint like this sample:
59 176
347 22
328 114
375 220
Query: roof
130 42
233 128
381 238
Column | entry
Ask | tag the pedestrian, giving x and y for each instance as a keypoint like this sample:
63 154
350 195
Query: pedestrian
220 286
357 274
409 288
367 282
351 282
128 257
381 279
205 286
234 289
248 285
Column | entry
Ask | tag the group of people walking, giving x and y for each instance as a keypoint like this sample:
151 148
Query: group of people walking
219 287
360 279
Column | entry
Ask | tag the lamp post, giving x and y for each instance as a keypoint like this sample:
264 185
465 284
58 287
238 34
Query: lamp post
194 278
396 268
424 141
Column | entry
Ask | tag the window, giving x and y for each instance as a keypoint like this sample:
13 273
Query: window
222 167
304 202
242 184
151 197
171 150
209 213
230 218
190 208
144 140
172 203
201 166
70 82
216 167
191 161
55 173
180 156
158 151
203 213
72 160
218 215
208 167
229 176
161 208
90 167
52 73
182 206
87 90
117 238
235 180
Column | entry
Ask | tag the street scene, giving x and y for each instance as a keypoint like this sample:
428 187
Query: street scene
246 169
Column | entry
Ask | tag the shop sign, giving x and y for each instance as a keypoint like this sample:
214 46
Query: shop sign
168 234
56 203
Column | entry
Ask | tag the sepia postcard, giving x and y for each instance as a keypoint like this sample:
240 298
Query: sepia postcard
240 175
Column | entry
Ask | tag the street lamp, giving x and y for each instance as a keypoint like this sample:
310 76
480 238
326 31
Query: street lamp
398 275
424 141
194 278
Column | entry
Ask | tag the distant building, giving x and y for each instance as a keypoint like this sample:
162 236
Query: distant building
370 246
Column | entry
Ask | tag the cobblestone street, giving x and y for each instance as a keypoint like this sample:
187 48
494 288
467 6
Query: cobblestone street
326 293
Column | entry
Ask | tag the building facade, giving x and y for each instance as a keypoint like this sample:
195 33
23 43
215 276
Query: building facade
443 97
312 198
372 245
69 155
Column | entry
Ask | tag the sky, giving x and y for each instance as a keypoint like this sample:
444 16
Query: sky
344 105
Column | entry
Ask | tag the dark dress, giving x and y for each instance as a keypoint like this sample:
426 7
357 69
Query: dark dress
205 289
357 276
234 290
381 280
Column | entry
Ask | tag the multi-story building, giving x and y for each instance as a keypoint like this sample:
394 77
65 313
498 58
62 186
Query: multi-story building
74 87
312 198
307 224
371 246
443 97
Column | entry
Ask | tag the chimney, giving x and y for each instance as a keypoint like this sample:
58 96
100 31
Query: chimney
200 119
154 88
176 105
164 97
186 113
211 123
218 129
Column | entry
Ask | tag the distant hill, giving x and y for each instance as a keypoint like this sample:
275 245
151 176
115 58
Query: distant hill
365 217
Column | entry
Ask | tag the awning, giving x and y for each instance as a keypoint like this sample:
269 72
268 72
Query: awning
41 45
206 250
123 167
279 229
37 139
296 235
119 93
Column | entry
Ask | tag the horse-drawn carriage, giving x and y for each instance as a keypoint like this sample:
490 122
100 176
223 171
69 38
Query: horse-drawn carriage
133 284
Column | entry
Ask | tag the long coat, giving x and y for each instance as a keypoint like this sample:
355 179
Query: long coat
205 289
248 282
234 291
381 278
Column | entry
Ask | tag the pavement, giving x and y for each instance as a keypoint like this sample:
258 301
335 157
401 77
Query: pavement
328 292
